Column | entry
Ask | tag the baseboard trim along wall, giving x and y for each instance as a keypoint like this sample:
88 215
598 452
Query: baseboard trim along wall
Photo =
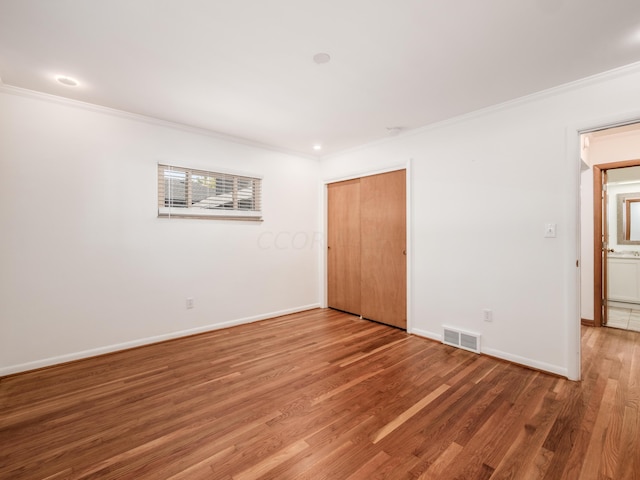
47 362
426 334
527 362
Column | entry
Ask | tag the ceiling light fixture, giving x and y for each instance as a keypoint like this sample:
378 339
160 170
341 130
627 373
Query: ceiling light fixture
321 58
317 147
67 81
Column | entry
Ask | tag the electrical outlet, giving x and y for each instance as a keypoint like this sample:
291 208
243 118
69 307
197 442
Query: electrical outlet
487 315
190 302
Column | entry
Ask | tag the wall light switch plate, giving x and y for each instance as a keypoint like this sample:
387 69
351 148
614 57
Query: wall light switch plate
550 230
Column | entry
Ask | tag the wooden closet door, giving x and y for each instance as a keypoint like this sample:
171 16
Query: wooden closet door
343 253
383 248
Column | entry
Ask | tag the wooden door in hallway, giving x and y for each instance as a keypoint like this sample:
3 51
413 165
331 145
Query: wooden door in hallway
366 257
383 237
343 254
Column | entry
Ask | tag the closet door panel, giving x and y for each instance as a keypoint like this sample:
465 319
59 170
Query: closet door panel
383 248
343 249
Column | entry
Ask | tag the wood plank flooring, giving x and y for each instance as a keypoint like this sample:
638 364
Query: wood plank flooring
323 395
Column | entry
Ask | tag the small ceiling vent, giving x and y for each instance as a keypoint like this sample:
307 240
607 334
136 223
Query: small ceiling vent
458 338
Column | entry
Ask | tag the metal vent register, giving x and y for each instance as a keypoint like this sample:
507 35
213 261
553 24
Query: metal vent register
458 338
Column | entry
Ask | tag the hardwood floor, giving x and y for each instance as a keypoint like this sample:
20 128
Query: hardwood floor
323 395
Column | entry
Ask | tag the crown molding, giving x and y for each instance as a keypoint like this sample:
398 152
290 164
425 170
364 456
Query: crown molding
47 97
543 94
550 92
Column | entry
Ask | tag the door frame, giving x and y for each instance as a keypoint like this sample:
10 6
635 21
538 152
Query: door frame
325 217
573 209
599 267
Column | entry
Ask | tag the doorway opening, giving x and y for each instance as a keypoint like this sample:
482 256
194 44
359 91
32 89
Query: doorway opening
611 174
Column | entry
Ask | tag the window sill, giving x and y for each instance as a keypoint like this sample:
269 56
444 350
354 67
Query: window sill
209 214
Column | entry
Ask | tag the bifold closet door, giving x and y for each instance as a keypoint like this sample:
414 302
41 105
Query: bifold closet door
383 227
343 248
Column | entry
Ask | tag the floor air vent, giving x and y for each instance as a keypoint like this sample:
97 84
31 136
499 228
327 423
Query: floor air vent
460 339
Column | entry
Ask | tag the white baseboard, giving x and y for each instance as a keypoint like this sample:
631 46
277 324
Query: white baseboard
426 334
527 362
47 362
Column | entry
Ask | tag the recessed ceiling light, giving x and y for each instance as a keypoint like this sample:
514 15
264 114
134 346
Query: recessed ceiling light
317 147
321 58
67 81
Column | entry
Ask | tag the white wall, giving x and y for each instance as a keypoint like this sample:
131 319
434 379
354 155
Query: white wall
86 265
586 245
614 147
483 188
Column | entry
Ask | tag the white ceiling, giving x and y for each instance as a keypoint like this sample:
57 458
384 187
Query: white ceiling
244 67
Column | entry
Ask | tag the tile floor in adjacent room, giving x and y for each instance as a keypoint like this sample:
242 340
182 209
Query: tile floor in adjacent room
625 317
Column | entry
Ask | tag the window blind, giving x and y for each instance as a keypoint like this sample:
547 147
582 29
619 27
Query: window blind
186 192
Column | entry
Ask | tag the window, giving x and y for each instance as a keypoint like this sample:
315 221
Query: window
185 192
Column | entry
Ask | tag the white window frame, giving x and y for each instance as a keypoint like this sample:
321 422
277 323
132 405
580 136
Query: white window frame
221 199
